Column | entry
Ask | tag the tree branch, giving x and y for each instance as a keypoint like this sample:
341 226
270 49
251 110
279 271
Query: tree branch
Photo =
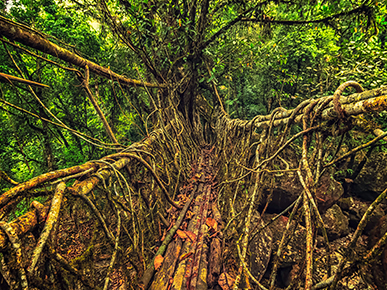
360 9
93 101
231 23
9 78
122 33
13 31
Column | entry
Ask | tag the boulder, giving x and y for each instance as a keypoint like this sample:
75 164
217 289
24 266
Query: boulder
358 209
292 253
371 181
336 223
260 249
287 188
328 191
345 203
379 267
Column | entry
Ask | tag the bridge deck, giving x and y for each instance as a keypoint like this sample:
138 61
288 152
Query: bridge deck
193 258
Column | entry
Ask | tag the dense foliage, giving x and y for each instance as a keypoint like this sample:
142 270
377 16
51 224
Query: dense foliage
27 142
83 79
256 65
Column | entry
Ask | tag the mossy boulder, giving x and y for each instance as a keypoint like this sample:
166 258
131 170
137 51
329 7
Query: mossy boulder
336 223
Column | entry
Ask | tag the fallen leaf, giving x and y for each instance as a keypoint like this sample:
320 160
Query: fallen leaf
185 235
212 223
181 234
158 261
225 281
190 235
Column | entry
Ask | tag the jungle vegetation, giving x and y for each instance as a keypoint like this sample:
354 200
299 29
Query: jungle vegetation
105 106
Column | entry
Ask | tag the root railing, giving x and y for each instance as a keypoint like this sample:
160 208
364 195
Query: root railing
149 215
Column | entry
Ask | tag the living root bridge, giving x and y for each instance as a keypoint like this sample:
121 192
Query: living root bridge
276 156
29 221
102 224
107 177
355 104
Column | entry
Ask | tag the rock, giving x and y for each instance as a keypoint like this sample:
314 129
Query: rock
320 269
287 188
285 275
357 211
328 192
379 270
295 246
260 249
336 223
353 220
372 179
345 203
292 253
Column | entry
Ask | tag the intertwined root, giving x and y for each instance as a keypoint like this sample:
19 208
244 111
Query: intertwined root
100 221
